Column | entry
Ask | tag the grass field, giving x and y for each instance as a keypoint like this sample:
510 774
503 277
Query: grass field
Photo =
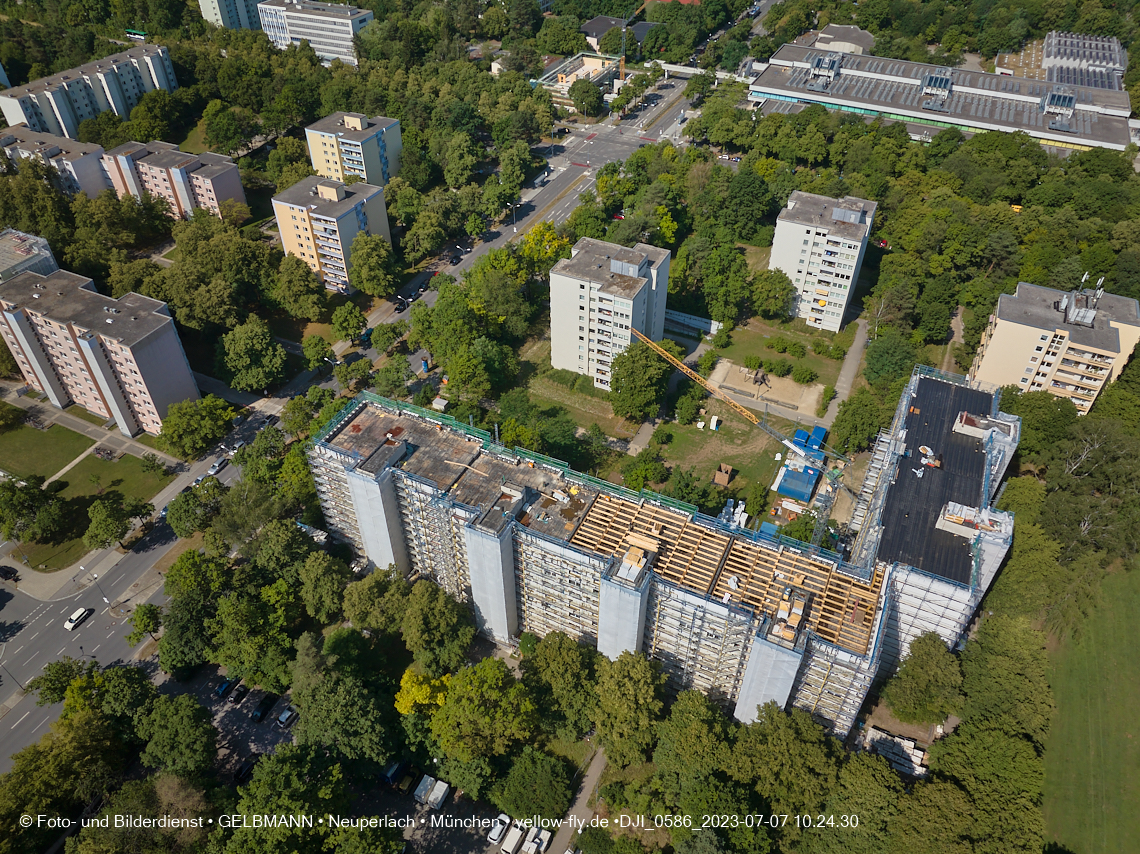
123 478
195 141
89 417
1092 759
749 340
26 451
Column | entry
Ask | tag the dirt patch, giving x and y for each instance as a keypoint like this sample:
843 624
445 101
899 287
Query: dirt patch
785 390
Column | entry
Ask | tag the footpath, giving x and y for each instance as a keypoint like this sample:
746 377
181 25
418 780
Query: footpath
580 810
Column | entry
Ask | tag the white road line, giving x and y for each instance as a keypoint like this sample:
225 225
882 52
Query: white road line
62 649
96 649
105 610
36 635
49 622
64 611
21 720
29 661
109 634
17 650
41 723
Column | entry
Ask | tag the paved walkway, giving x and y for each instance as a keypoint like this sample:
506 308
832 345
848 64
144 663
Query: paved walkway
847 373
580 809
69 466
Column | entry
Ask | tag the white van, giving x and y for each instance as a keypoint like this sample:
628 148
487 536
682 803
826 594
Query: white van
78 617
513 841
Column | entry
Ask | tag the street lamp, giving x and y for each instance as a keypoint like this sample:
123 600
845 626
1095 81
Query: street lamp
95 578
10 676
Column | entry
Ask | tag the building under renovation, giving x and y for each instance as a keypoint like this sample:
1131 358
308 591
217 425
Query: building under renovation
745 616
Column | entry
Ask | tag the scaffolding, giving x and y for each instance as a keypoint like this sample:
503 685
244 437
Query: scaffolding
557 586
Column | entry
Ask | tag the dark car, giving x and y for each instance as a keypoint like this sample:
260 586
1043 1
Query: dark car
225 688
238 695
455 259
267 703
7 573
246 770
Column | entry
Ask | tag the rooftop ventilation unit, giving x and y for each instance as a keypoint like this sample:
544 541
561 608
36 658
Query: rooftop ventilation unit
823 70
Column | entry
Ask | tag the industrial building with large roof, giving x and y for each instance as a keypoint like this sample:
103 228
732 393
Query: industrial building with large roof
745 616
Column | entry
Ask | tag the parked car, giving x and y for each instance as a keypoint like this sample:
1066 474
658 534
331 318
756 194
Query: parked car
267 703
199 479
499 827
455 259
9 574
225 687
238 445
238 695
218 465
287 718
408 780
78 617
246 770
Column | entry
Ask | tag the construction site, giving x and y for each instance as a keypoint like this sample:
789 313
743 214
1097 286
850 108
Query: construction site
725 605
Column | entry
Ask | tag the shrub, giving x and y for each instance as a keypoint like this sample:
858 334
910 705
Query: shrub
838 352
687 410
796 350
662 435
825 401
821 347
779 344
753 363
778 367
723 337
804 375
563 377
707 362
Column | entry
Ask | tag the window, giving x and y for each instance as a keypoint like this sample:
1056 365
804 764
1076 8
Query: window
1044 337
1038 349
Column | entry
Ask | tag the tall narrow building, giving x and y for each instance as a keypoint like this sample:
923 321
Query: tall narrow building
597 295
118 358
345 144
231 14
820 243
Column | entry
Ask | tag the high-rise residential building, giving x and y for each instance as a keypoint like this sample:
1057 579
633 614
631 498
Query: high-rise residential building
819 243
24 253
597 295
119 358
57 104
329 28
318 218
747 617
4 81
346 144
186 181
78 164
1068 344
232 14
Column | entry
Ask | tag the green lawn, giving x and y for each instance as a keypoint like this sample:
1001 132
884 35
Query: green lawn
123 478
148 440
746 448
26 451
195 141
749 340
89 417
1092 759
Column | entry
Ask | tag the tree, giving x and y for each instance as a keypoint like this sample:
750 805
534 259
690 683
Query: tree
323 578
436 629
772 294
299 292
586 96
537 784
927 686
378 601
108 524
341 712
316 350
629 704
1045 419
348 321
248 358
50 686
373 268
692 743
869 788
392 379
349 375
560 674
28 513
151 464
485 714
860 418
640 379
417 692
194 425
180 736
193 511
889 357
146 619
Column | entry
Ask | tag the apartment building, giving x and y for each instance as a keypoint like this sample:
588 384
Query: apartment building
819 243
532 545
24 253
329 28
1068 344
78 164
598 294
346 144
231 14
118 358
186 181
318 219
57 104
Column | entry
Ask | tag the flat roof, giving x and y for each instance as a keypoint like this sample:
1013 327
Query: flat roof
1033 305
914 504
68 298
591 263
847 217
335 124
304 194
46 145
88 68
340 10
977 100
17 248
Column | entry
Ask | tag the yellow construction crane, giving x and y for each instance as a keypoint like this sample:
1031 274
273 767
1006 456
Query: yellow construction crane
748 415
621 71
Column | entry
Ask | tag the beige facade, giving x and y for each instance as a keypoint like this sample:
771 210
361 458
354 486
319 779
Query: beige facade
1068 344
186 181
119 358
346 144
318 219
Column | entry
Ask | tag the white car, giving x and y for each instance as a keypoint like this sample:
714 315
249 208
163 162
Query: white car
219 464
78 617
499 827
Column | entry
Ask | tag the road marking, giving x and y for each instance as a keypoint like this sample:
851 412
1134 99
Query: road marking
21 720
29 661
17 650
49 622
105 610
36 635
64 611
62 649
110 633
41 723
96 649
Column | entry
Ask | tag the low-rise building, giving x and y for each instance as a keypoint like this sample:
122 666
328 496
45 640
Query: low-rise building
231 14
596 68
819 243
78 164
346 144
329 28
24 253
597 295
57 104
118 358
186 181
1068 344
318 218
1082 60
597 27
